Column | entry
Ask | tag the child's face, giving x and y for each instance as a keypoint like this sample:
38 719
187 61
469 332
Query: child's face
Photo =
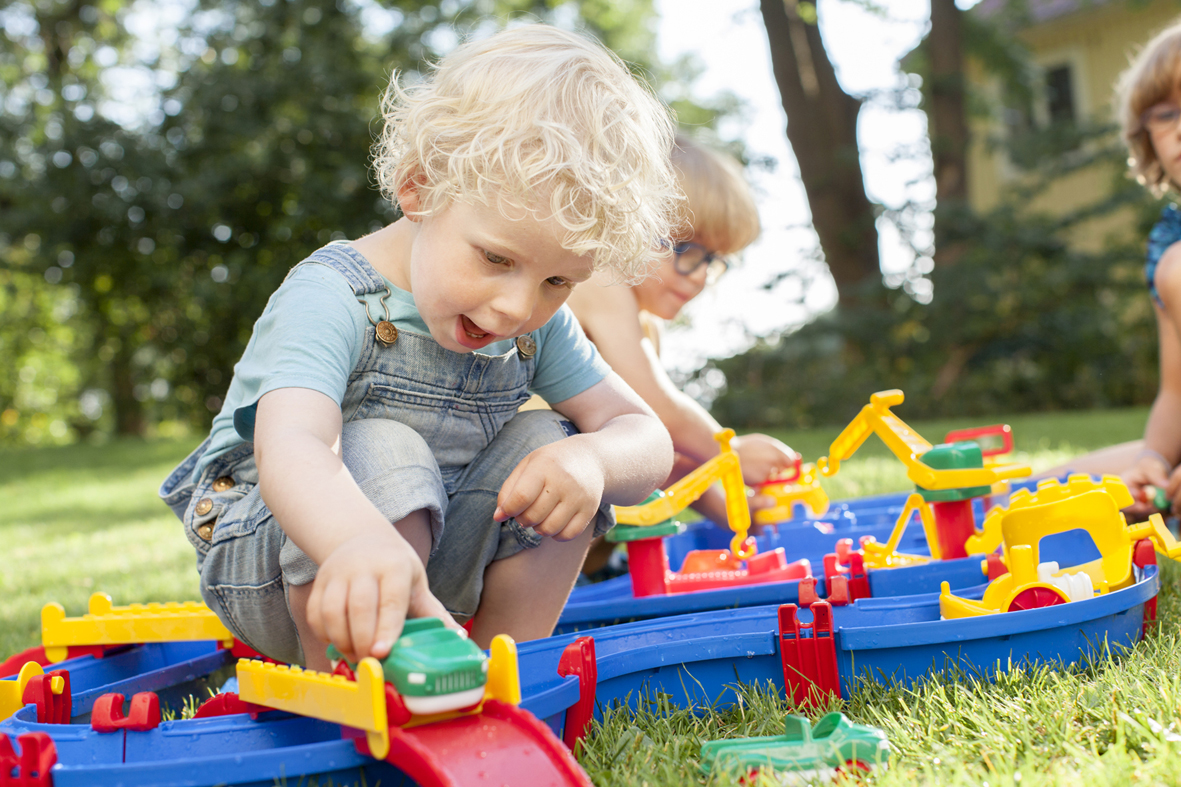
478 277
667 290
1166 137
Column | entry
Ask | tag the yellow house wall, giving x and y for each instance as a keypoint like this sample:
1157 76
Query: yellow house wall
1098 42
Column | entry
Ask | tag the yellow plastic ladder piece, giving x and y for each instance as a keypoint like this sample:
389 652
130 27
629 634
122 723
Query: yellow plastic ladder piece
105 624
504 676
11 691
356 703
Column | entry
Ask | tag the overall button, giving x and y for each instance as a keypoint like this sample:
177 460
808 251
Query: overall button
223 483
526 346
204 506
205 532
387 332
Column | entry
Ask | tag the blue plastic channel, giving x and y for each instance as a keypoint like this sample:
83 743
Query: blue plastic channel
872 641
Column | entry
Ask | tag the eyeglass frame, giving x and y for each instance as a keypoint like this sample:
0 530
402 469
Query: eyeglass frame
708 260
1145 125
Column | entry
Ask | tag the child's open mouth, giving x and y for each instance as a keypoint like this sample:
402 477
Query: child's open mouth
471 329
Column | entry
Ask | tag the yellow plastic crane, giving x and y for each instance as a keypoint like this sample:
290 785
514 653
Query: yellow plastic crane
725 468
909 446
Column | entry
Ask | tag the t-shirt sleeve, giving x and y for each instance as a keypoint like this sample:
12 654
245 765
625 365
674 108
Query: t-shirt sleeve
308 337
567 362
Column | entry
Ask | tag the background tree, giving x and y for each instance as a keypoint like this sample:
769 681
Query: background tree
136 251
822 130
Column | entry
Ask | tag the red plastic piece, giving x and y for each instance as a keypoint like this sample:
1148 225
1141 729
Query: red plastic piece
807 592
579 659
996 566
12 665
502 744
1035 598
227 704
955 524
1003 431
30 768
648 565
849 566
1144 554
705 569
51 708
809 656
107 714
838 591
241 650
785 478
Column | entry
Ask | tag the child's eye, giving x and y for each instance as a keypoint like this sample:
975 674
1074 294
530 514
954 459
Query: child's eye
495 259
557 281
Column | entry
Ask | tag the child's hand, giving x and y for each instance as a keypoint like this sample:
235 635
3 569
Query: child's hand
364 592
761 457
1146 473
556 490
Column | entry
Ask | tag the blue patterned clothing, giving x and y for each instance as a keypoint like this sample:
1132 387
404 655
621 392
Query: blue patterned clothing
1164 234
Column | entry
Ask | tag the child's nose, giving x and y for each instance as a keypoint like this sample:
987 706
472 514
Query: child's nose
515 304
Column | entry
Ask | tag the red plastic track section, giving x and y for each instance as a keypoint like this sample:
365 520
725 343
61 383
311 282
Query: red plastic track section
502 745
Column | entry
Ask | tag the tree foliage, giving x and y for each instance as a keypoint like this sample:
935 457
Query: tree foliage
141 247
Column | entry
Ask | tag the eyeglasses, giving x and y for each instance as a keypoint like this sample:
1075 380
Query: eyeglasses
1160 117
691 256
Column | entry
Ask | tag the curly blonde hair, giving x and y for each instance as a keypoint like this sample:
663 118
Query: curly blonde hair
532 118
1154 76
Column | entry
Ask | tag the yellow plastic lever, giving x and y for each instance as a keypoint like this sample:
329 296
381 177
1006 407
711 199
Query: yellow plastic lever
356 703
909 446
105 624
724 467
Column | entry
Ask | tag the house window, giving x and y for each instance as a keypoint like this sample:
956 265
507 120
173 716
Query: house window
1060 95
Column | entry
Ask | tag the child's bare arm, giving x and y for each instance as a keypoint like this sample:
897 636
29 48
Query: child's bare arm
1162 433
611 317
370 578
621 455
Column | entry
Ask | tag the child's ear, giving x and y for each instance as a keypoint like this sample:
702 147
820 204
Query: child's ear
409 197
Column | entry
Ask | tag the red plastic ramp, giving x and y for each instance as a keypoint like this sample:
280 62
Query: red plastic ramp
503 746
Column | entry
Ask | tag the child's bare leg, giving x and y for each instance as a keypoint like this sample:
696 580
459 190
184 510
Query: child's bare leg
415 528
524 594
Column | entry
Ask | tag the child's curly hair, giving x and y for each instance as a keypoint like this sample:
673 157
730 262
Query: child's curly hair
1154 76
534 116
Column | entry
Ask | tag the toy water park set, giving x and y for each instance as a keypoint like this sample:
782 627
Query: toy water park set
1052 575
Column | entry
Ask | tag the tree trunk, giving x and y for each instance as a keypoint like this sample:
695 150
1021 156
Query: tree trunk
947 123
822 129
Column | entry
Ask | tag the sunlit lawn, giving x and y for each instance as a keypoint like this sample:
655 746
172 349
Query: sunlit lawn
84 518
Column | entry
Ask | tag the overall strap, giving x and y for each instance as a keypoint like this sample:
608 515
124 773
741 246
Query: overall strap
350 263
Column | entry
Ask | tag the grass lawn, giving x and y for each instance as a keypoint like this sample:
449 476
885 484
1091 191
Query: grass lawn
85 518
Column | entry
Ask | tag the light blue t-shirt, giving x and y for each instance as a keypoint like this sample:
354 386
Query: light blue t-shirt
310 336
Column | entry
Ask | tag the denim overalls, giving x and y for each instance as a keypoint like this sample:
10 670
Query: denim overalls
424 428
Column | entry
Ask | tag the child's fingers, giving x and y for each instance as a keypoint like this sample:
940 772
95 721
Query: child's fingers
423 604
363 606
518 494
392 611
334 619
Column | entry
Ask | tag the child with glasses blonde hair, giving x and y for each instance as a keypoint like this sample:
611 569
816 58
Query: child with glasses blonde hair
370 463
1148 99
720 219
